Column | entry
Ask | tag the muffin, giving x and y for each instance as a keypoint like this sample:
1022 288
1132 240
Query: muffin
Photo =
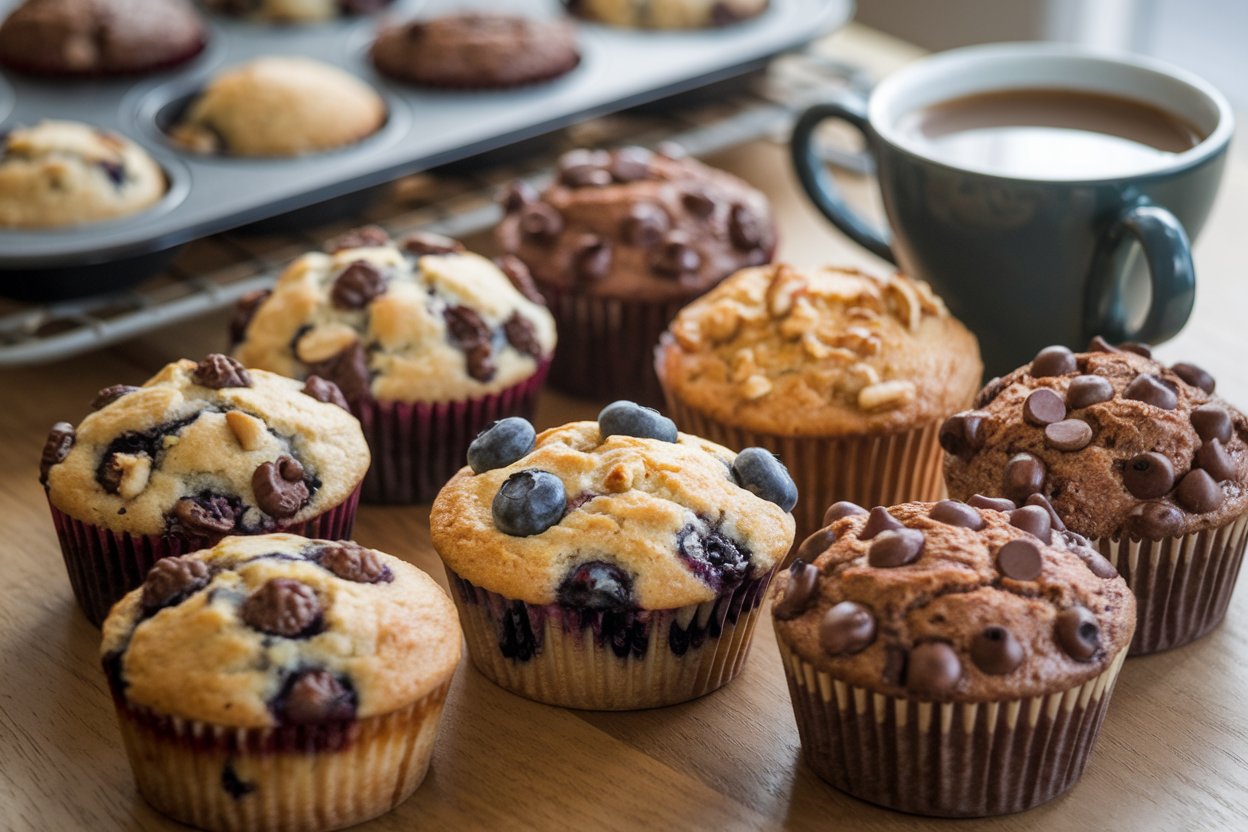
100 37
199 452
614 564
844 374
62 173
429 344
667 14
1142 458
476 51
950 659
295 11
279 106
617 244
275 682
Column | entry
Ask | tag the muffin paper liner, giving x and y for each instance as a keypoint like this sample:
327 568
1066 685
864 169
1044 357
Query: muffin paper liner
417 447
946 759
104 565
288 778
1182 585
580 658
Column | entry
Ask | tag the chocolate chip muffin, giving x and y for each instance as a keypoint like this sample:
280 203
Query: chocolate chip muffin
950 659
249 676
667 14
614 564
476 51
846 375
295 11
1141 457
199 452
617 244
100 37
429 344
279 106
62 173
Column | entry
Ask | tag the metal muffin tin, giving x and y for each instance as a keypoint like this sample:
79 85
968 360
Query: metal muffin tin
208 194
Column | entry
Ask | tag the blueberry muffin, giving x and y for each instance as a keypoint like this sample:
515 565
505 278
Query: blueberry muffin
617 244
845 374
1143 458
100 37
667 14
614 564
248 676
279 106
429 344
295 11
199 452
950 659
476 51
63 173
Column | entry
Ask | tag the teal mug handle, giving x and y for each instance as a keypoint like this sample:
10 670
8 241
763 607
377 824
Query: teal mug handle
1168 255
819 184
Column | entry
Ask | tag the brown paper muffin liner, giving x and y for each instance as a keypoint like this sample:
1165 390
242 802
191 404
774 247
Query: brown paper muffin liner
1182 585
612 661
290 778
946 759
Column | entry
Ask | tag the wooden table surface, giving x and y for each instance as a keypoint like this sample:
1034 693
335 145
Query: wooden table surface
1173 753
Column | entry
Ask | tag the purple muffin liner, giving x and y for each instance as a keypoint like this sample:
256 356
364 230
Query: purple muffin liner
418 447
104 565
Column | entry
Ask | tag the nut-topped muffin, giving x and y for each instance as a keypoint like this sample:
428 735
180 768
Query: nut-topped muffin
668 14
1141 457
845 374
617 243
612 564
199 452
428 342
248 676
950 658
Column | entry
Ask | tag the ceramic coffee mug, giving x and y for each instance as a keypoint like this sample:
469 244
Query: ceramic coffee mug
1027 262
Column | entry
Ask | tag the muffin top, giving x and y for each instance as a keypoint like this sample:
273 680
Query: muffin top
953 602
295 11
476 51
100 37
634 224
1118 442
667 14
417 320
622 513
206 450
279 106
277 630
820 352
61 173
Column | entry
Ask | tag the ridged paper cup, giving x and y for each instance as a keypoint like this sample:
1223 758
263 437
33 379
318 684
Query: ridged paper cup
104 565
291 778
1182 585
947 759
597 660
418 447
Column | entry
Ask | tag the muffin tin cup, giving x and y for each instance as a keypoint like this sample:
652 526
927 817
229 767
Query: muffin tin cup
946 759
608 660
418 447
104 565
1182 585
288 778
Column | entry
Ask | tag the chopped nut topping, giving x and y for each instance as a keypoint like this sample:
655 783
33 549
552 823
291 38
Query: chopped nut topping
247 429
904 302
755 387
721 322
784 287
886 395
743 365
815 348
801 319
324 342
135 471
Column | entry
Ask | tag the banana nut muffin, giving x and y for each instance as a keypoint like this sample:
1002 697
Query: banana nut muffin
612 564
951 659
199 452
248 676
279 106
295 11
617 243
845 374
1141 457
667 14
61 173
472 50
428 342
100 37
